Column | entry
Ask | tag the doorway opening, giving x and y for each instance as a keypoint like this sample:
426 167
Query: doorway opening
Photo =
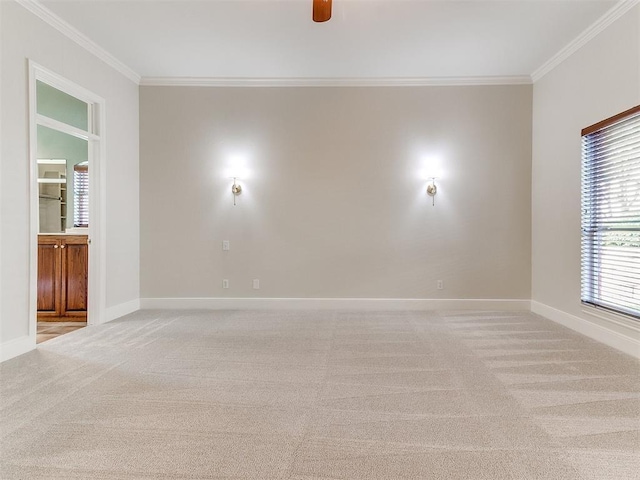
67 235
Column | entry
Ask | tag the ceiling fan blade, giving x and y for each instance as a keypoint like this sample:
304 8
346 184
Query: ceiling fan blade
321 10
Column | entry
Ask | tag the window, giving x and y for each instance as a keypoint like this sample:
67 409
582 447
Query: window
80 196
611 213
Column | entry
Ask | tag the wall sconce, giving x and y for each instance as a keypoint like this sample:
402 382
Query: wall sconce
432 189
236 189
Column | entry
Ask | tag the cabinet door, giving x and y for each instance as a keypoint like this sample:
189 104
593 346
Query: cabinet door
75 255
48 275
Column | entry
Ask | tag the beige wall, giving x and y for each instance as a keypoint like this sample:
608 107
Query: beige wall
334 201
600 80
25 36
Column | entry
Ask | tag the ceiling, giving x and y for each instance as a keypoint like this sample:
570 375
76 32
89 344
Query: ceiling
364 39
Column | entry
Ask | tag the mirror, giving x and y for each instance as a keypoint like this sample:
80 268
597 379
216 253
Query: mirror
63 182
52 195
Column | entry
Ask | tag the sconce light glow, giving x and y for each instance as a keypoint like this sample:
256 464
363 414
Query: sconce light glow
431 166
237 172
237 166
429 173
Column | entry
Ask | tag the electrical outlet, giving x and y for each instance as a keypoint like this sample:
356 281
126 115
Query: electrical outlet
440 285
225 283
256 284
225 245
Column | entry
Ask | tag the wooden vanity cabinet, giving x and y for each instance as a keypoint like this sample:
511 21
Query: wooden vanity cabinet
63 262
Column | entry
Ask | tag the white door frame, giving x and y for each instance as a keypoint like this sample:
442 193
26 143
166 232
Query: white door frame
95 137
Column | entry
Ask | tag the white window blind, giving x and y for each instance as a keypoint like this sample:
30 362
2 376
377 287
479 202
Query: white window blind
611 213
80 196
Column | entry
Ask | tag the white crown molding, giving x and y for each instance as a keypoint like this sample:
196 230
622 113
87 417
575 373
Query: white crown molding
35 7
617 11
332 82
370 304
622 7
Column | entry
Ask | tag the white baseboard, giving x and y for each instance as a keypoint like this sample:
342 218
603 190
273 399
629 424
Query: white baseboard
334 304
16 347
121 310
629 344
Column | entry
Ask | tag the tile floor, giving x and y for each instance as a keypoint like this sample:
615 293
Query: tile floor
49 330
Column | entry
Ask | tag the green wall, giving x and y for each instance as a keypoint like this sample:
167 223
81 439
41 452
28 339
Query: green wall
60 106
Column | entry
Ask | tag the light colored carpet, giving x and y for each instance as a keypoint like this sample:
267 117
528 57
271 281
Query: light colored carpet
321 395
